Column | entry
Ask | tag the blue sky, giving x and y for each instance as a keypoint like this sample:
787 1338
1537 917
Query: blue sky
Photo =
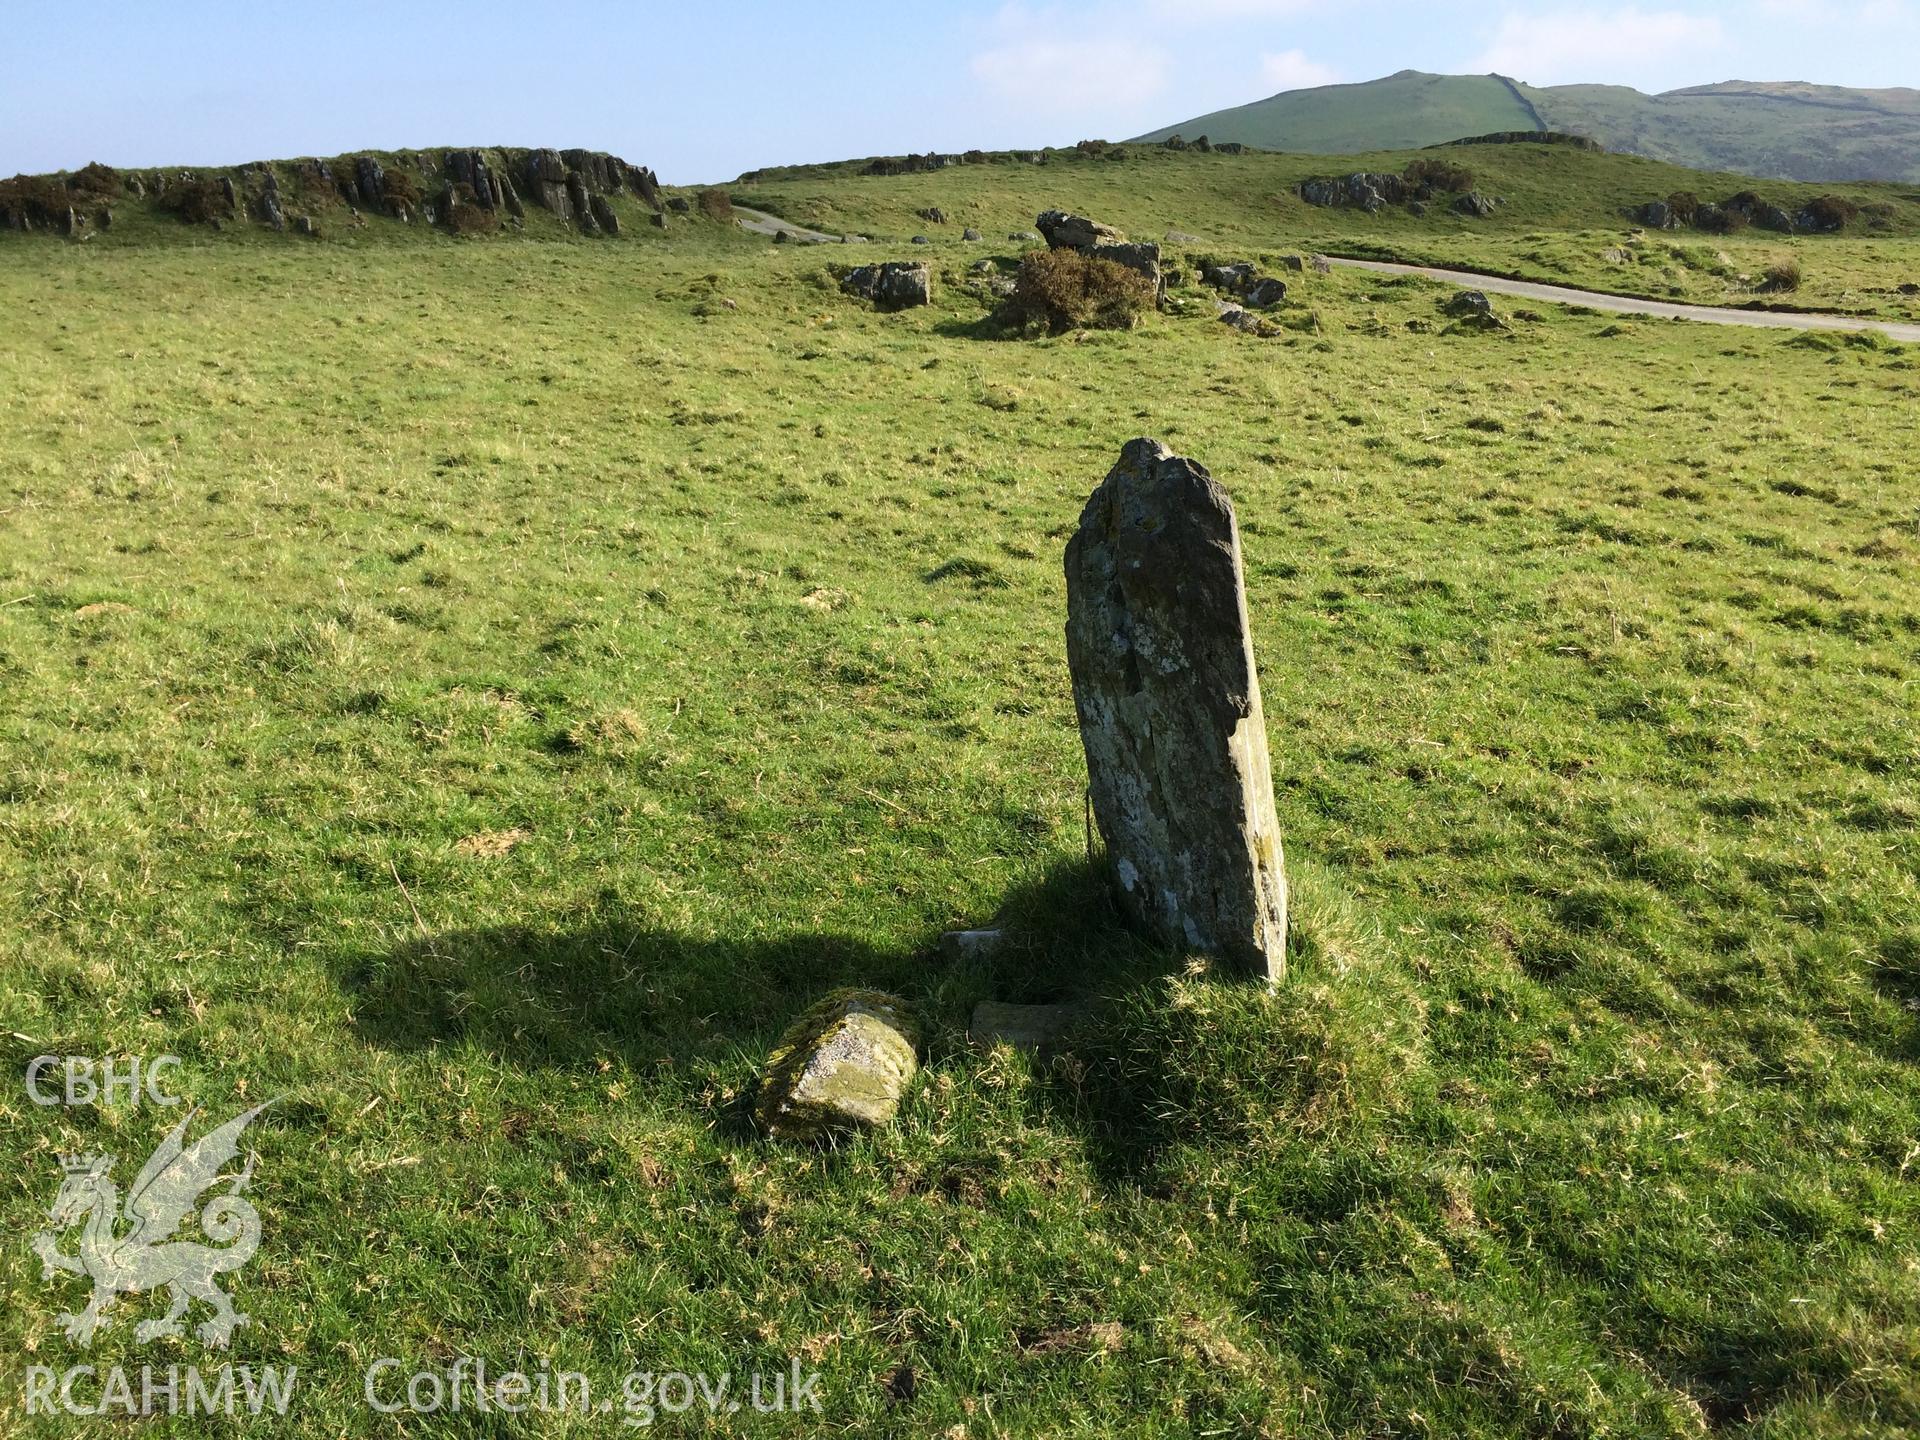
701 93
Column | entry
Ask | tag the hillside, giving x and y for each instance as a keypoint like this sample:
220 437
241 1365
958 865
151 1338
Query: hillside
1783 130
1400 112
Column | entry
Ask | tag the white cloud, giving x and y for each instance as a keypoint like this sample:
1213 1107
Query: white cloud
1198 11
1053 60
1579 45
1292 70
1066 74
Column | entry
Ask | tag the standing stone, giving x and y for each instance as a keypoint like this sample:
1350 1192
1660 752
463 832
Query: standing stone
1169 708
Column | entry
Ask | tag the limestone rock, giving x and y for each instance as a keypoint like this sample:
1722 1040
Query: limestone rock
1234 277
1168 702
1038 1029
1476 205
1072 232
1265 293
972 944
1140 256
842 1067
1321 265
894 285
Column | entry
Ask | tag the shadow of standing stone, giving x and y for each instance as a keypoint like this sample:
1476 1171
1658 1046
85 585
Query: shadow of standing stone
1169 709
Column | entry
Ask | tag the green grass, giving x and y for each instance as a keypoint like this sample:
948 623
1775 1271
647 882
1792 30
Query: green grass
481 690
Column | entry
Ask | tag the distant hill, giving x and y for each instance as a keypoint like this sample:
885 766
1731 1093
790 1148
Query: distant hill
1785 130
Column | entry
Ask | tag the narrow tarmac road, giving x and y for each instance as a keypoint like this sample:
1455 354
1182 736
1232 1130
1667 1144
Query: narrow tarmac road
1628 305
761 223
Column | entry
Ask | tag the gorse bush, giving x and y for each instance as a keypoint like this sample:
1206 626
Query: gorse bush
1440 174
34 199
1065 290
197 202
93 178
463 214
1684 204
1832 212
715 204
400 188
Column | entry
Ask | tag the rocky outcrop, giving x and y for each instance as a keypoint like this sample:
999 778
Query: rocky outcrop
894 285
370 184
1362 190
1064 231
1655 215
1168 703
603 215
1475 205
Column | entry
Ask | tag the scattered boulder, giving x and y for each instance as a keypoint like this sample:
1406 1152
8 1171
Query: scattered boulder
1023 237
1772 217
1235 276
1476 205
933 215
1229 147
970 234
1241 318
1321 265
1614 255
917 240
103 219
1468 303
1072 232
1265 293
1140 256
1180 237
680 205
303 225
893 285
1655 215
841 1068
1295 263
1910 288
1036 1029
1168 702
1417 208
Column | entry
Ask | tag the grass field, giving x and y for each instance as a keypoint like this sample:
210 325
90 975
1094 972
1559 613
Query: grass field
1564 213
479 691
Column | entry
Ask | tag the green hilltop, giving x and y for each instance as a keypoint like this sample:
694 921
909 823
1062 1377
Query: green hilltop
1784 130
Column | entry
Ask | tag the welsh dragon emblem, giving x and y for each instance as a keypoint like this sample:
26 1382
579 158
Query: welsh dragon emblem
147 1256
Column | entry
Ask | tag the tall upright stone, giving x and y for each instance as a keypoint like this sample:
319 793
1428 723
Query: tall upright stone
1169 708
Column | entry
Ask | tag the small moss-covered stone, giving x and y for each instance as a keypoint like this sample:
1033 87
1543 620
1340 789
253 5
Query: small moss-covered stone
841 1067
